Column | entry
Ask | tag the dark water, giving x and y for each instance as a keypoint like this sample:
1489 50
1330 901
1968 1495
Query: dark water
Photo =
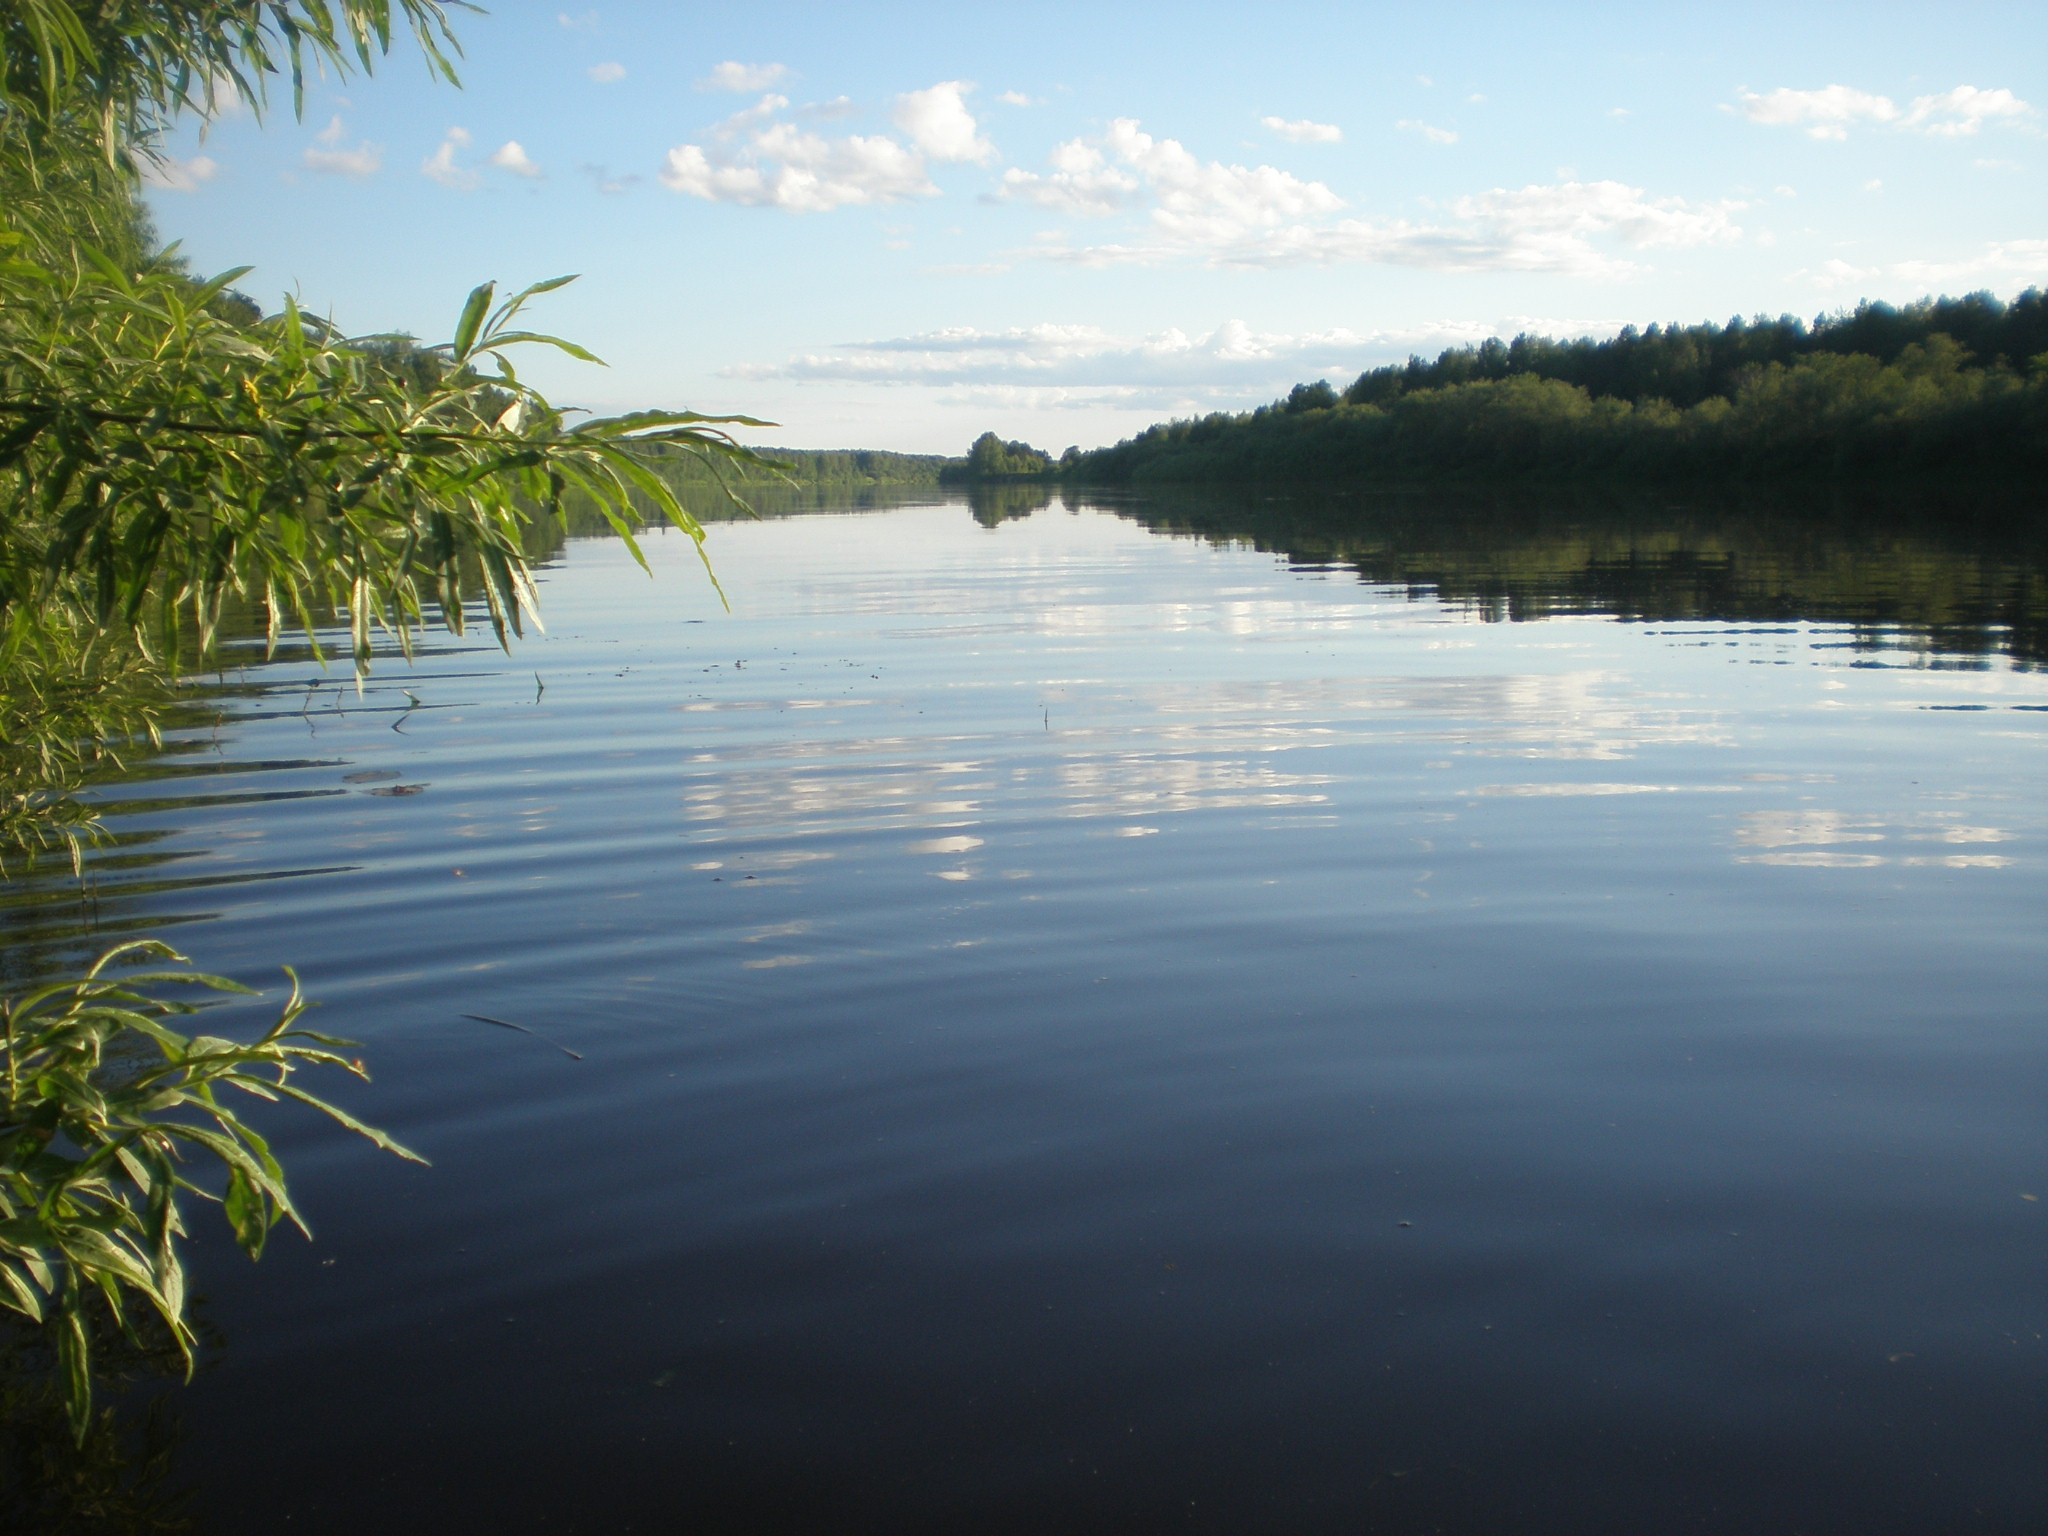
1154 1018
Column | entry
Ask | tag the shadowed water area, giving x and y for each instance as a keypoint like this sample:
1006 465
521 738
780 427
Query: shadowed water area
1225 1016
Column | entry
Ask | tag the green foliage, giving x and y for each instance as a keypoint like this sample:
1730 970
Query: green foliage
170 457
71 700
158 460
1931 406
85 90
993 459
1319 396
1688 364
127 67
103 1103
164 451
797 467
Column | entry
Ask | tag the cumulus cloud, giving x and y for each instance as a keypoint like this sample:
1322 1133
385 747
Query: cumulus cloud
758 159
1434 135
170 174
1302 131
605 74
743 78
940 125
1963 110
1829 113
1016 99
329 157
1194 202
1825 114
510 156
1231 216
1081 182
1170 369
441 165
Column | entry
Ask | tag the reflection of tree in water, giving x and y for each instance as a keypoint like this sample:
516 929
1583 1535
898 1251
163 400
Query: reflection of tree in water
122 1480
996 503
1961 577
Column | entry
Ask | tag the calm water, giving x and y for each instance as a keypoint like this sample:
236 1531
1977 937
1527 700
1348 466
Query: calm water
1143 1019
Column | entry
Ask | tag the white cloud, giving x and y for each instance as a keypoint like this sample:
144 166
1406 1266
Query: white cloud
940 125
1824 114
1574 209
2020 260
170 174
331 159
1963 110
1081 182
1230 363
2017 261
1231 217
1830 112
1302 131
605 74
759 161
827 111
743 78
1210 202
510 156
440 165
1195 203
1434 135
1016 99
1837 273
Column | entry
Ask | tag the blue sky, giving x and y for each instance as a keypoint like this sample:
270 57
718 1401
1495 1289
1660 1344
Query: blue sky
897 226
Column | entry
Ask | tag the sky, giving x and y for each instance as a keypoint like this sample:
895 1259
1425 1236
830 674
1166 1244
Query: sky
900 226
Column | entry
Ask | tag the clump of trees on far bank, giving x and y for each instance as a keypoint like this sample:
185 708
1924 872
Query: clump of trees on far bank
993 459
1954 385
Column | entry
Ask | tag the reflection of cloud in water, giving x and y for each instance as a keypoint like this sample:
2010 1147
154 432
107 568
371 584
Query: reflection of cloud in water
777 931
1537 791
1961 835
1815 860
1811 831
1165 748
946 845
1571 715
1785 829
1165 783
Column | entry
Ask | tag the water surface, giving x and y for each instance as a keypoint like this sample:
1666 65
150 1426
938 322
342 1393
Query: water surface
1152 1017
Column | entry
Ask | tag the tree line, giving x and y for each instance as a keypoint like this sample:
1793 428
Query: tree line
1948 385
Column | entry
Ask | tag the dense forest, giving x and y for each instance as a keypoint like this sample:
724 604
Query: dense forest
826 467
1949 385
